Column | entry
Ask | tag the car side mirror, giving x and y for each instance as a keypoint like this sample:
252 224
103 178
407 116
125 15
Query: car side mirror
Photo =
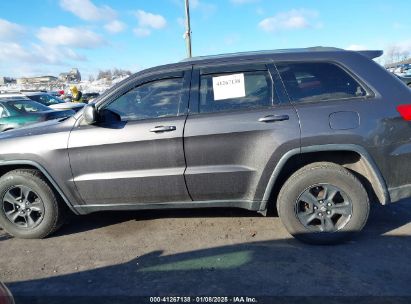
90 114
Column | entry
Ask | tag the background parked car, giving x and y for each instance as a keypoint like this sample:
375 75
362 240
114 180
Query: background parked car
406 80
54 102
46 99
15 113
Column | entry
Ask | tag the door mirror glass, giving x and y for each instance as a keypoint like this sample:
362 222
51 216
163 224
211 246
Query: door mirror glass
90 114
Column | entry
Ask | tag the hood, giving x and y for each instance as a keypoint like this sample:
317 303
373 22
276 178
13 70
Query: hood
45 127
67 105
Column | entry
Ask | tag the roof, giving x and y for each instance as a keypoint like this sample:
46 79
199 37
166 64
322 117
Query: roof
266 53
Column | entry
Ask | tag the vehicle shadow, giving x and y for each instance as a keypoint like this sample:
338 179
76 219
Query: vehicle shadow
376 263
3 235
78 224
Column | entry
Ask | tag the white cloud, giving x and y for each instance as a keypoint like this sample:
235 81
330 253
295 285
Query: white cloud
87 10
149 20
37 54
70 36
12 50
115 27
141 32
291 20
356 47
9 30
403 47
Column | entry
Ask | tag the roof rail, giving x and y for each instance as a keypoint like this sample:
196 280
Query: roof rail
265 52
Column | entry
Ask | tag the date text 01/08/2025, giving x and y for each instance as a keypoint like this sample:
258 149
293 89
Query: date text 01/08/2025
206 299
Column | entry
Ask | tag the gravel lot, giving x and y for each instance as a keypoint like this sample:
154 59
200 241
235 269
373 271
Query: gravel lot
208 252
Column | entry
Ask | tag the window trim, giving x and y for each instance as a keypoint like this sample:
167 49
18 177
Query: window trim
370 94
135 82
185 74
242 67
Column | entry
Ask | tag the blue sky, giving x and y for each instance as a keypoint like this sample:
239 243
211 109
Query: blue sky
42 37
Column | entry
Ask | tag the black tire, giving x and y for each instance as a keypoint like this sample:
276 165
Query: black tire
317 179
49 217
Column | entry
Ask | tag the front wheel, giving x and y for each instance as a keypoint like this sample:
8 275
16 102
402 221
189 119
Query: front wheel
323 203
29 208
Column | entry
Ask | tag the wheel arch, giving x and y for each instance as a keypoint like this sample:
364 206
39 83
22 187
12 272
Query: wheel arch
353 157
7 166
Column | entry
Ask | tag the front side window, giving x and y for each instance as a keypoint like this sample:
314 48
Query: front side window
160 98
26 106
234 91
318 81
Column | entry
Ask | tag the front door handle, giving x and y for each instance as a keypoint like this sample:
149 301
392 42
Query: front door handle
163 129
273 118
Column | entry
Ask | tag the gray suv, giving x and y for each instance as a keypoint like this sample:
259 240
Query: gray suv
314 133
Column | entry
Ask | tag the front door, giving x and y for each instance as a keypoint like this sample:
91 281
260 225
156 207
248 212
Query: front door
135 155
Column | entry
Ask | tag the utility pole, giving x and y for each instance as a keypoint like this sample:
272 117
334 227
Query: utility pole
187 34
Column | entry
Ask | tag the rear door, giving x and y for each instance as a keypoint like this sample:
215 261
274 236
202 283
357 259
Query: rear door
236 131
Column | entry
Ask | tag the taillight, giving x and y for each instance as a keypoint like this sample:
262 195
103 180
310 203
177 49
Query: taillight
405 111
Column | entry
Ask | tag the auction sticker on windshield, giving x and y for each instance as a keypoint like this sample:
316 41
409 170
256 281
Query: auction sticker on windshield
228 86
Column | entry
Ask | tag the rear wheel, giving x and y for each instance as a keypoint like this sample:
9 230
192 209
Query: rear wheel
29 208
323 203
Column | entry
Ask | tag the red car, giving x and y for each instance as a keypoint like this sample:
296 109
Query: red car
5 295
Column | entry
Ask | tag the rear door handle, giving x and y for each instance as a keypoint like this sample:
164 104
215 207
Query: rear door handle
163 129
273 118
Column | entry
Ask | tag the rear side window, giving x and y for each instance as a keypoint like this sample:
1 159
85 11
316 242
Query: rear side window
318 82
235 91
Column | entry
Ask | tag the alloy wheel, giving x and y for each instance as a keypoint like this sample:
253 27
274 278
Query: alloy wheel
323 208
23 207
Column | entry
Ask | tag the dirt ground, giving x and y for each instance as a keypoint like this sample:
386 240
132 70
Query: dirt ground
208 252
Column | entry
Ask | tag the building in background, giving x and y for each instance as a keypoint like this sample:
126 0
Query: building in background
37 80
73 75
6 80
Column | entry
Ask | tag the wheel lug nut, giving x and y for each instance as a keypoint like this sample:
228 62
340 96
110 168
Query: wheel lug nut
315 207
328 212
320 214
329 204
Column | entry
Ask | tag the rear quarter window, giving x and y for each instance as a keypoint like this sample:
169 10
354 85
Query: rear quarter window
306 82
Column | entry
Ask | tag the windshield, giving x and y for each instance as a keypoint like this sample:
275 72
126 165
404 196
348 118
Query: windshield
46 99
25 106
